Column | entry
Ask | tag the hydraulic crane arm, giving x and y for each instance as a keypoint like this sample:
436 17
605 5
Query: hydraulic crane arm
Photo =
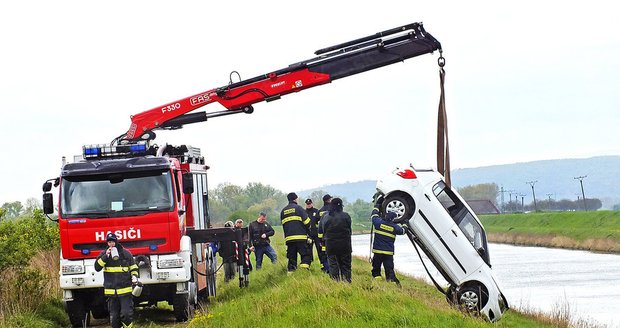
332 63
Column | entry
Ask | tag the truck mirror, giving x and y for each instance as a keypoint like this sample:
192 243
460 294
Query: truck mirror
481 251
48 203
188 183
47 186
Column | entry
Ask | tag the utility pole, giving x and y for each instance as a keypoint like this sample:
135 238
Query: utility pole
510 193
532 183
522 204
583 195
549 195
502 191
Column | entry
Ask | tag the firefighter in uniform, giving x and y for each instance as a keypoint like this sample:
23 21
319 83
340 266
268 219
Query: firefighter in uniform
313 215
120 272
327 199
383 244
295 223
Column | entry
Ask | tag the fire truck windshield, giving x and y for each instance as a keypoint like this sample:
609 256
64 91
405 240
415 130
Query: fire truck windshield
116 195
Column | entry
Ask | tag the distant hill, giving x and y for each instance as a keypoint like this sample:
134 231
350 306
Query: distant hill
555 177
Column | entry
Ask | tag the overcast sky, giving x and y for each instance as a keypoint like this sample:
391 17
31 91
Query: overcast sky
525 80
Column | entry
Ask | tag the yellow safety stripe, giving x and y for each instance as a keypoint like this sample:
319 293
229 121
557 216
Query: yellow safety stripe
116 269
120 291
385 234
374 216
307 221
323 248
134 273
133 267
376 209
291 218
296 237
386 227
101 262
322 213
377 251
320 235
289 211
127 326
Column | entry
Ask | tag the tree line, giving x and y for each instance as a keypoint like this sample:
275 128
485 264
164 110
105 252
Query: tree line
229 202
491 192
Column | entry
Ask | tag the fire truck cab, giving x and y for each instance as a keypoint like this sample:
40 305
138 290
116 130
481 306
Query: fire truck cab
150 197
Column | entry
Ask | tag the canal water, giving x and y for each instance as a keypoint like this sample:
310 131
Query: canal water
544 279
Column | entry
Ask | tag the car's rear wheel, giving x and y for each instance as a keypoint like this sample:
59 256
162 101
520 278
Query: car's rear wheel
401 205
472 298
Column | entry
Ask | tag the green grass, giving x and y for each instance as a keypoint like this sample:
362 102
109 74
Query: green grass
579 226
50 314
310 298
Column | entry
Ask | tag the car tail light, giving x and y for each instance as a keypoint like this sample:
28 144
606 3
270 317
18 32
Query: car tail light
406 174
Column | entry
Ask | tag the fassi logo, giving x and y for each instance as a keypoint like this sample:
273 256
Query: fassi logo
130 233
199 99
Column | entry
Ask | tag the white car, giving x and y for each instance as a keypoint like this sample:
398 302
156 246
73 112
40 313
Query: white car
449 233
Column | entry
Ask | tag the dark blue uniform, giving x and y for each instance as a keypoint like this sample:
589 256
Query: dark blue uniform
383 246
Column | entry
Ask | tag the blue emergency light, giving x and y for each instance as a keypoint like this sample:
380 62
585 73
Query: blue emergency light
108 151
138 148
153 247
85 251
92 151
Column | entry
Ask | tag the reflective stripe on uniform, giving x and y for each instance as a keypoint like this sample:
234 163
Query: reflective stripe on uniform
378 251
320 235
386 227
120 291
307 221
323 248
101 262
291 218
133 267
116 269
127 326
296 237
385 234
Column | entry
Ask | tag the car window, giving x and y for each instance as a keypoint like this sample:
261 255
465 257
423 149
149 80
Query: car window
449 201
474 232
467 223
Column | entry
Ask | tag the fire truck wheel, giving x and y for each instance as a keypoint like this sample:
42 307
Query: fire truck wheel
77 313
183 310
100 312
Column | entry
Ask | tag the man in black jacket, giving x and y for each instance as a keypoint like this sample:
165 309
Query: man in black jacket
336 229
119 273
260 231
327 199
295 223
313 215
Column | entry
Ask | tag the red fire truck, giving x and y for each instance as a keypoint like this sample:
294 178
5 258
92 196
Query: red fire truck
155 199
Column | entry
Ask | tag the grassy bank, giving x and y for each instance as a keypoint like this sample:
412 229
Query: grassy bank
596 230
311 298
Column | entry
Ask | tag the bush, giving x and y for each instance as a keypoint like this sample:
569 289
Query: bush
22 238
26 280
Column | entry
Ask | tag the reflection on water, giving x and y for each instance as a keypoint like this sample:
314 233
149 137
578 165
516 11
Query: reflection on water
536 277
